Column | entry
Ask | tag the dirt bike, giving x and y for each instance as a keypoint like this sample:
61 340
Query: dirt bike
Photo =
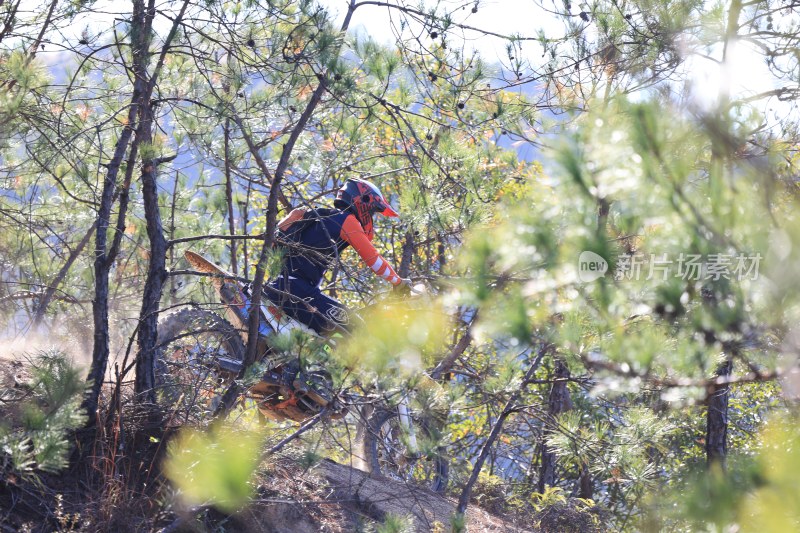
200 353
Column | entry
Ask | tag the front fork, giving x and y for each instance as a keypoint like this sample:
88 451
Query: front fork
408 424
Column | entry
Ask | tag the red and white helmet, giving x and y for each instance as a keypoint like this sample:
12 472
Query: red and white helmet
364 199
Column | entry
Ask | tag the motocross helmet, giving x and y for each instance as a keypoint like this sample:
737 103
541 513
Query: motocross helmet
363 199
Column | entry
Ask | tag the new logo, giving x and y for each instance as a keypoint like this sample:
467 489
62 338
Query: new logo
591 266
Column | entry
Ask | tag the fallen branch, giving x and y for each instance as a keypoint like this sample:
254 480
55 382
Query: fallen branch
308 424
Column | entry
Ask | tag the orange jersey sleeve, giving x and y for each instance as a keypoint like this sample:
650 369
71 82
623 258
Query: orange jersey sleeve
353 233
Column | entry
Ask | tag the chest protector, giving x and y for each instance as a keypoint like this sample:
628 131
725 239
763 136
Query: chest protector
313 244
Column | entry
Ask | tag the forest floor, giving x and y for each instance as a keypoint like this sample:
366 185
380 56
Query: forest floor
104 490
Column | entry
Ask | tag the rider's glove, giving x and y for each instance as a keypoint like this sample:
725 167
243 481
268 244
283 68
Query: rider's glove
404 286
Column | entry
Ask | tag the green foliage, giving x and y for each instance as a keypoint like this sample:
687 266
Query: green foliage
555 511
775 504
458 523
641 176
40 439
22 75
635 180
550 497
396 524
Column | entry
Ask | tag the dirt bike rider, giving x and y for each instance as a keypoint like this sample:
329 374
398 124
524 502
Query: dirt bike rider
313 240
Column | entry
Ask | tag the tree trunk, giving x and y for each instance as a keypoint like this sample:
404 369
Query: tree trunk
717 418
441 257
102 259
105 256
102 267
156 274
558 402
275 194
172 286
585 487
245 208
407 255
272 219
458 350
156 269
124 197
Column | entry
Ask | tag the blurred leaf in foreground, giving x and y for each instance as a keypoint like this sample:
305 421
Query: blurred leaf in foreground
400 339
214 467
760 494
775 505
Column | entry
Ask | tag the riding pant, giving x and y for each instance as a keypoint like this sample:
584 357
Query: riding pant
306 303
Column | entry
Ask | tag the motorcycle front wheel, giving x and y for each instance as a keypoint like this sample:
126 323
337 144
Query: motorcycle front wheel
388 451
196 354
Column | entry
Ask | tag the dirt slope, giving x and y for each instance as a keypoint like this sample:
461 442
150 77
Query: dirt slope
378 497
336 498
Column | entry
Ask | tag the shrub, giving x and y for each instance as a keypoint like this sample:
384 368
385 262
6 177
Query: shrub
46 410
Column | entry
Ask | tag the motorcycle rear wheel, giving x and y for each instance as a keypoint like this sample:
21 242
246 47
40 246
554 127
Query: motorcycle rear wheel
190 378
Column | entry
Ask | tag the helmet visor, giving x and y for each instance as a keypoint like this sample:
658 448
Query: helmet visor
387 210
